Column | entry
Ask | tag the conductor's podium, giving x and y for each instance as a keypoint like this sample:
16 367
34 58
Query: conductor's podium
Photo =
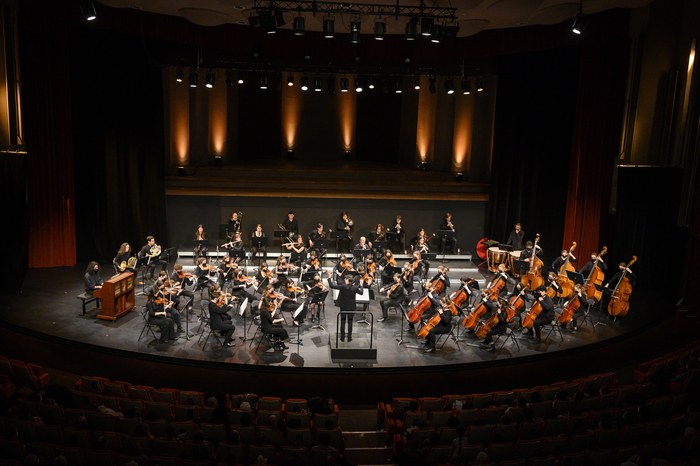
117 296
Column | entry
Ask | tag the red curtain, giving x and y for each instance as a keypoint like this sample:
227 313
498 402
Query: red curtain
596 144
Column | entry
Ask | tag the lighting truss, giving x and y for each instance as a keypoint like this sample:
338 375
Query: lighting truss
359 9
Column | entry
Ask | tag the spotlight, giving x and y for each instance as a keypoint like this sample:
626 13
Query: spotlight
425 25
240 80
355 27
328 28
579 23
193 79
290 80
358 84
370 84
330 82
181 171
304 83
290 154
211 78
399 85
423 166
88 10
317 84
459 177
379 30
479 84
299 25
218 161
452 30
436 33
416 84
254 21
263 82
466 86
348 155
411 29
178 75
431 87
449 86
344 84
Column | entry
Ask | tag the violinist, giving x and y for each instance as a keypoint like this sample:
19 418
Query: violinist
314 287
386 261
93 281
265 272
270 320
200 235
586 269
400 232
235 222
441 275
258 233
500 327
545 317
448 225
219 319
314 236
291 224
379 234
340 268
182 279
526 254
346 302
282 269
171 293
581 297
240 282
407 277
226 271
201 271
420 266
618 275
394 297
344 224
371 266
123 256
154 260
442 327
561 260
363 281
312 264
516 238
294 298
157 315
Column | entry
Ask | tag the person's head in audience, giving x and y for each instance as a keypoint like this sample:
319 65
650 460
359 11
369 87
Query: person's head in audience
234 436
482 457
212 402
31 459
272 421
244 405
329 461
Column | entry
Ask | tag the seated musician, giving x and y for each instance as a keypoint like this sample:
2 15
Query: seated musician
344 224
235 246
545 317
580 311
270 321
291 224
407 277
363 244
501 273
386 261
122 258
296 244
551 281
314 287
500 327
371 267
340 267
314 236
379 234
157 315
93 281
469 286
442 327
240 282
184 280
202 271
235 221
293 301
400 231
200 235
586 269
171 292
516 238
394 297
258 233
441 275
527 297
526 254
154 260
312 264
434 299
219 318
448 225
265 272
420 266
414 241
282 270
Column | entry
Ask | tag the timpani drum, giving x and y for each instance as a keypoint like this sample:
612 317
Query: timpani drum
513 256
495 257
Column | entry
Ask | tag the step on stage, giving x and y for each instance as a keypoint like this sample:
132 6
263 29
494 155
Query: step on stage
47 305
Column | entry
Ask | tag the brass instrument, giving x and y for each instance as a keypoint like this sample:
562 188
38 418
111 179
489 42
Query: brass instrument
281 227
155 251
350 222
130 264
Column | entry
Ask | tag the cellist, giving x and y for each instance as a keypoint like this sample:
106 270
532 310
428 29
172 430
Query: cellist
581 296
546 315
441 276
442 327
434 304
551 281
499 328
468 286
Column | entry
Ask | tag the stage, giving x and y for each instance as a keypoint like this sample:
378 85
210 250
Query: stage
47 305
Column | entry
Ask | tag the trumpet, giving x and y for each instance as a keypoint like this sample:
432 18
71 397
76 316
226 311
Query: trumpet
281 227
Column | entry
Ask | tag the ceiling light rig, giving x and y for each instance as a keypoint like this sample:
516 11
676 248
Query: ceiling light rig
579 21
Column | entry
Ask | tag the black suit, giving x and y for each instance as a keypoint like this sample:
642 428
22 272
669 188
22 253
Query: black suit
219 320
153 262
346 302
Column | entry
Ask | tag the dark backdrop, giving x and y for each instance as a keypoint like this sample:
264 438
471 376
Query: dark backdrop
13 192
378 125
259 123
535 111
117 109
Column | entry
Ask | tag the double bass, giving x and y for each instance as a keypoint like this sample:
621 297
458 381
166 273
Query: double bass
619 304
595 277
567 286
532 279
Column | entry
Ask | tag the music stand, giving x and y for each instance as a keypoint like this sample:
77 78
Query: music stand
443 236
429 256
241 312
322 244
258 242
294 316
298 257
142 264
389 271
226 231
575 277
523 266
360 254
168 253
281 234
319 298
380 244
306 276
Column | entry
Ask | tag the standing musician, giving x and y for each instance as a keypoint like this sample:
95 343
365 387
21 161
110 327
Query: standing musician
344 224
545 317
93 281
265 272
270 322
394 296
586 269
400 231
516 238
235 221
258 233
235 245
315 235
379 234
448 225
618 275
157 315
312 263
146 251
561 260
218 316
420 266
407 277
200 235
346 302
526 254
171 292
500 327
291 224
551 281
444 326
441 276
123 256
294 298
179 277
314 287
202 272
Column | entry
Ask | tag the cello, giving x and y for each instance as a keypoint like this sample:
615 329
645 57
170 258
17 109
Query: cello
498 283
619 304
535 310
595 277
515 304
434 320
422 305
570 307
567 286
477 313
490 323
438 285
532 279
460 296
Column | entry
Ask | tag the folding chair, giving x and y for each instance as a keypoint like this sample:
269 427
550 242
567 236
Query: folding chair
554 326
147 326
508 335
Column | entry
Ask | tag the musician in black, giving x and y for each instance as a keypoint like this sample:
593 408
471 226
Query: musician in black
546 315
363 244
423 264
379 234
340 268
400 231
416 239
551 282
516 238
346 302
586 269
154 260
612 283
469 286
219 318
561 260
441 276
442 327
291 224
407 277
314 236
313 287
158 316
200 235
312 264
240 282
235 246
171 293
257 234
225 271
500 327
434 299
526 254
270 321
580 311
394 297
293 301
448 225
183 280
93 281
123 256
235 222
263 273
201 271
344 224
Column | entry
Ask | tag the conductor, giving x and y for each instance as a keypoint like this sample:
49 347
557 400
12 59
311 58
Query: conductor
346 302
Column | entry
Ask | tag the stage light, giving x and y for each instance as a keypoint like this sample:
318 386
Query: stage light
181 171
348 155
218 161
210 80
355 27
279 18
299 25
263 82
240 81
290 154
431 87
328 28
423 166
399 85
178 75
358 84
466 86
579 23
193 79
88 10
411 29
449 86
290 80
379 30
416 84
479 84
254 21
451 30
370 84
459 177
436 33
304 83
344 84
425 25
330 82
317 84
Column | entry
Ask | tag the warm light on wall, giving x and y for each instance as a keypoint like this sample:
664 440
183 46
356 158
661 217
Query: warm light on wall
179 120
463 130
217 119
425 133
291 109
347 108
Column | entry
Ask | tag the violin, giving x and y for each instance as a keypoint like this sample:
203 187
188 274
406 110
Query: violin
371 268
619 301
367 278
595 277
379 238
415 265
295 289
223 299
268 273
316 264
567 286
533 278
182 275
391 261
347 265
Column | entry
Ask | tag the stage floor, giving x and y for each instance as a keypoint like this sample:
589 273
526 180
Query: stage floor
47 304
